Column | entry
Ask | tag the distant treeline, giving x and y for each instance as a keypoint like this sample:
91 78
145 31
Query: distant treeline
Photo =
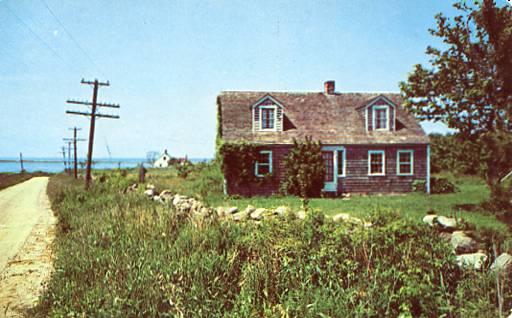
453 153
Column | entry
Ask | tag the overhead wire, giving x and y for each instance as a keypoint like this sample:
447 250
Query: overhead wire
39 38
73 38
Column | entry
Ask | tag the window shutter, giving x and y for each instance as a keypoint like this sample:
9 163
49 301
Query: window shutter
256 118
279 119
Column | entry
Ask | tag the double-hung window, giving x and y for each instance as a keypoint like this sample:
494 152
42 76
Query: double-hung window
376 163
380 117
405 162
268 117
263 164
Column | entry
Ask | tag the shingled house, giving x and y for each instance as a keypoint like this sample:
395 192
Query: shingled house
370 143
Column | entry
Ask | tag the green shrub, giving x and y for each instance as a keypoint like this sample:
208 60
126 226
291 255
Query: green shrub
441 185
437 186
304 170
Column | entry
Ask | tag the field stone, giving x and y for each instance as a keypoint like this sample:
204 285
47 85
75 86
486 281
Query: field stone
149 192
446 223
240 216
462 243
502 263
429 219
445 236
258 214
184 207
341 217
220 211
232 210
249 209
166 195
282 210
300 215
178 199
472 260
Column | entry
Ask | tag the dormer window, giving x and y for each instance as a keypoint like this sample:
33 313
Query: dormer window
268 115
381 117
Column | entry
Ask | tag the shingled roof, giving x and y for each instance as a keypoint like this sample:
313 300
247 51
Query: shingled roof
331 118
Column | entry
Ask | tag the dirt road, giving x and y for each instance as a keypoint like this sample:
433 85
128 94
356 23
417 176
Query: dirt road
27 228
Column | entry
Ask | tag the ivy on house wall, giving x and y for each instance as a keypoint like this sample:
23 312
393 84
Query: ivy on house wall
238 162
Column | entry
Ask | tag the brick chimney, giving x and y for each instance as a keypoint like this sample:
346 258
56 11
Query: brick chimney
329 87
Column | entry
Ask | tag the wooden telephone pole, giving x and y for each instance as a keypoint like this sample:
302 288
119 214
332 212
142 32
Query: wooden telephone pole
96 84
74 140
63 151
21 163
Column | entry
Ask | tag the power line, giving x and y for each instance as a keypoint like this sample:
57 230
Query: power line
38 37
72 38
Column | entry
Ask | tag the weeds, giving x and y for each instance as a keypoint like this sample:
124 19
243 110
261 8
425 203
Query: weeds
126 256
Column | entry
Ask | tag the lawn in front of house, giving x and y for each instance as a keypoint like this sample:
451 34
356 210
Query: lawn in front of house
205 182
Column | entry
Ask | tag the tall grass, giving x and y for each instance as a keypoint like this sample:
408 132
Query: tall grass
121 255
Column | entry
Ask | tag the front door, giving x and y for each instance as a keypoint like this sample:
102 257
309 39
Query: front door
330 181
330 155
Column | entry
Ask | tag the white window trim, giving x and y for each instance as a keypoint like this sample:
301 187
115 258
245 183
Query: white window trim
256 166
273 107
376 107
411 162
383 153
344 167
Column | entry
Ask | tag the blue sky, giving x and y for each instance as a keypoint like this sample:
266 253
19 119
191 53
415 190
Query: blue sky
167 60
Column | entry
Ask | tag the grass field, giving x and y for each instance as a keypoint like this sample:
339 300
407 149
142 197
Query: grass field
120 254
206 182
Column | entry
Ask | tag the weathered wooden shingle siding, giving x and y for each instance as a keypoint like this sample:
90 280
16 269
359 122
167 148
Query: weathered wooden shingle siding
356 180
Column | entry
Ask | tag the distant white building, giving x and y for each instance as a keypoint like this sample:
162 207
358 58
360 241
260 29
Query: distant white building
163 161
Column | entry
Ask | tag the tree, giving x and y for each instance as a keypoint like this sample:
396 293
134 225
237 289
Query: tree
304 170
468 85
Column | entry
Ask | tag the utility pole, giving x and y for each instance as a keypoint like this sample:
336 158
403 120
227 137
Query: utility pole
63 151
74 140
96 84
21 163
69 157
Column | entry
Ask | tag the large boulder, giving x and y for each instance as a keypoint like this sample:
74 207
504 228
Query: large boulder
473 260
502 263
462 243
429 219
446 223
258 214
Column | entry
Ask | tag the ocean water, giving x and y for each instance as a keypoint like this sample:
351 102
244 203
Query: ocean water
55 165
